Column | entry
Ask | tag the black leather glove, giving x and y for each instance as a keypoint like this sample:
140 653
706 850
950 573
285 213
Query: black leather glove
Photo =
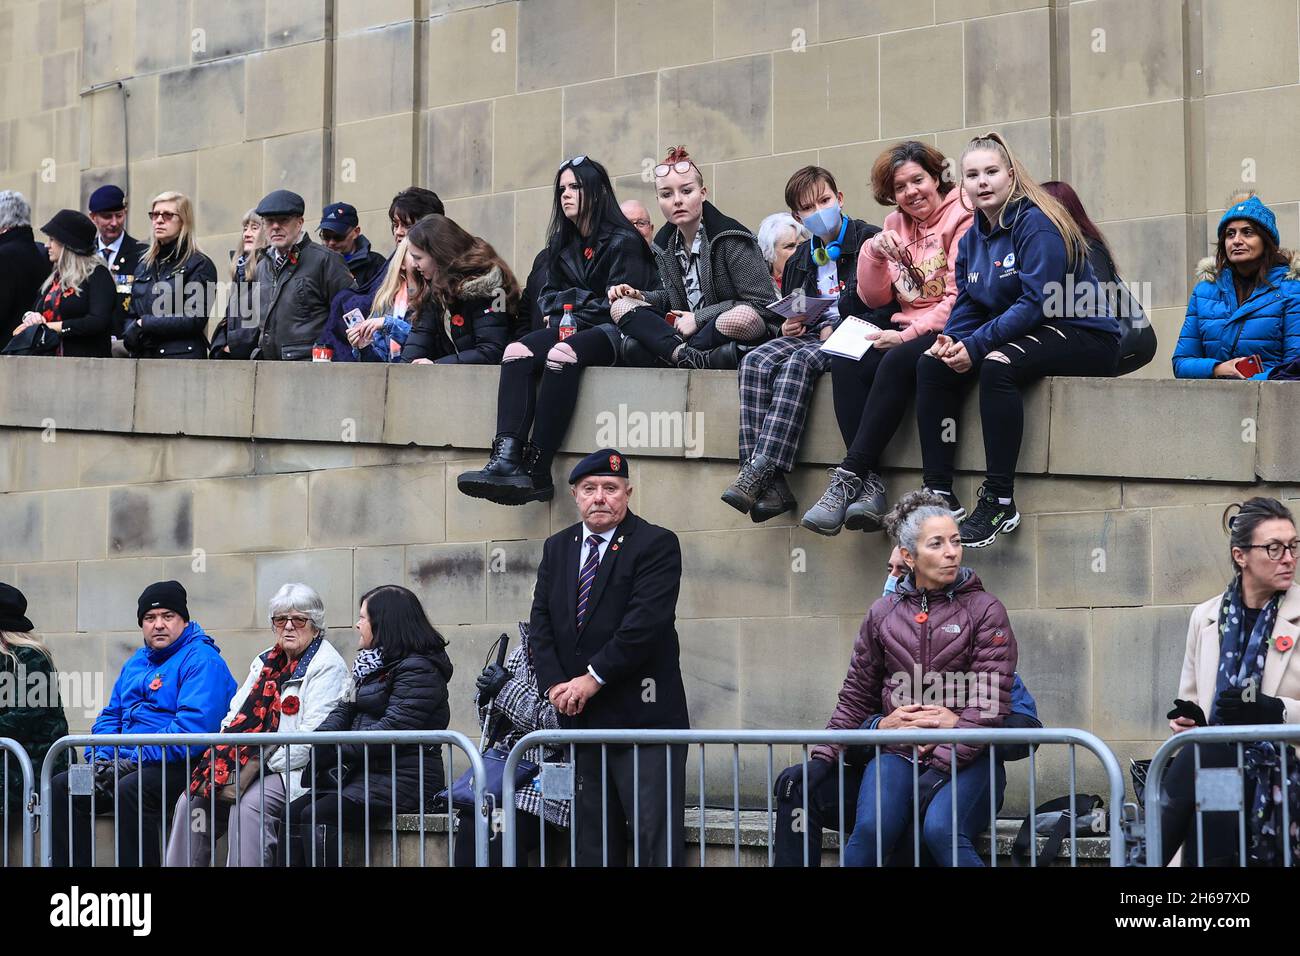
1262 710
1188 708
105 778
790 780
133 336
491 681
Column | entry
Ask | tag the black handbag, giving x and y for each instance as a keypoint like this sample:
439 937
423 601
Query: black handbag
1052 819
33 340
461 792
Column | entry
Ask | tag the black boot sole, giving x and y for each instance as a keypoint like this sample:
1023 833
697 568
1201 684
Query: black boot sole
758 514
738 501
867 523
493 490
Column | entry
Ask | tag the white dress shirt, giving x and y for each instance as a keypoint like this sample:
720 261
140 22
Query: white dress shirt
605 538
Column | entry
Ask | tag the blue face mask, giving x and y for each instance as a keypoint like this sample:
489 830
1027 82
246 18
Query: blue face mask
891 585
825 222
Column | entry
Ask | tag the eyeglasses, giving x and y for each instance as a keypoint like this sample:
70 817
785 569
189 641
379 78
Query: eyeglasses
162 215
681 166
1274 549
641 223
908 266
281 621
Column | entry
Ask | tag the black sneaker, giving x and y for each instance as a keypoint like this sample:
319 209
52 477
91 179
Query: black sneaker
958 512
691 358
988 521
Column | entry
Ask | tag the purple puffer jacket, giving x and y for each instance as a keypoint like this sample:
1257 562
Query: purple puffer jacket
961 654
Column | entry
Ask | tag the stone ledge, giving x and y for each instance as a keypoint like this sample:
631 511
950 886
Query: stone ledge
1158 429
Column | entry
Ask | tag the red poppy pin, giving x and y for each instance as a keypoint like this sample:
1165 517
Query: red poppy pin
156 682
289 705
588 253
1283 643
458 320
614 462
922 618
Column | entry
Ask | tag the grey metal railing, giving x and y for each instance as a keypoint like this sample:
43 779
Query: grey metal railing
266 744
11 753
1218 788
874 739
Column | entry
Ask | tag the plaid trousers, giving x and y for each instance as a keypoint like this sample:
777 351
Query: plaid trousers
776 382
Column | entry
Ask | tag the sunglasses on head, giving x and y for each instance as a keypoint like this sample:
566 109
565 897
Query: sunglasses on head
576 161
681 166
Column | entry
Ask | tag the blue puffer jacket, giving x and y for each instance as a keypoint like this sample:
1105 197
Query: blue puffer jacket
185 688
1217 328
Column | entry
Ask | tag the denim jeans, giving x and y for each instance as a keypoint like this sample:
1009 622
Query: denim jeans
895 812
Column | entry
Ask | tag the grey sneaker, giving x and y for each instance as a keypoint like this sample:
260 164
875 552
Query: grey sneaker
827 516
866 510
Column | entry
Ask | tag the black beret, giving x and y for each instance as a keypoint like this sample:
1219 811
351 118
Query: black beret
607 461
107 199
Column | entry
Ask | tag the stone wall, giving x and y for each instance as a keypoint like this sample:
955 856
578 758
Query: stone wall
237 477
1155 110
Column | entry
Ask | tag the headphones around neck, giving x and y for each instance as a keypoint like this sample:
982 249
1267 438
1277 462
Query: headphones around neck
831 252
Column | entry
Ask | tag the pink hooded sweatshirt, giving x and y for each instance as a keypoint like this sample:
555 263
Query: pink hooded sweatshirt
933 247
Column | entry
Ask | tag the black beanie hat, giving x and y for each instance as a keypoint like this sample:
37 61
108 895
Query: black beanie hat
74 230
164 594
13 610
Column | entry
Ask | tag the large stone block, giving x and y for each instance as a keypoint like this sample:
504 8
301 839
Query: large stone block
202 106
721 110
237 26
1043 495
615 120
251 514
76 524
195 398
840 19
651 37
51 592
274 73
814 89
1114 165
207 458
396 504
801 693
528 130
120 460
1055 662
472 426
752 189
162 35
329 572
35 460
372 567
1009 569
475 519
659 497
1095 559
354 15
108 44
1278 457
512 579
757 26
81 393
227 176
941 108
460 149
715 584
711 672
1008 68
480 43
107 593
220 590
546 55
491 217
374 72
450 580
291 23
1217 415
295 400
1252 46
1155 259
533 213
151 520
273 458
1137 659
373 160
946 10
80 659
645 414
58 79
714 414
1192 550
1122 54
178 172
839 575
296 162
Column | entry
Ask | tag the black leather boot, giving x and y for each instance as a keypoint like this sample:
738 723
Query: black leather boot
775 500
505 476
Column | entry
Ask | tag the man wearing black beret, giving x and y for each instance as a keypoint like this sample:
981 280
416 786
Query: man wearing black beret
606 653
121 252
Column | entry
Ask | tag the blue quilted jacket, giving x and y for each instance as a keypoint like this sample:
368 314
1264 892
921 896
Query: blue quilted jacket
1217 328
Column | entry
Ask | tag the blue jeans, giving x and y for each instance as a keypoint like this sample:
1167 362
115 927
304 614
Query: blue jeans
895 812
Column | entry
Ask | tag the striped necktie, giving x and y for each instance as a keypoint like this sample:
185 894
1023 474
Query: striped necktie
588 575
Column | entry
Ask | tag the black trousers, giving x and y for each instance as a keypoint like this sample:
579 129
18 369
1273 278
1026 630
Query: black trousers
527 839
660 820
1054 348
651 330
792 828
871 395
1178 810
332 815
538 400
141 801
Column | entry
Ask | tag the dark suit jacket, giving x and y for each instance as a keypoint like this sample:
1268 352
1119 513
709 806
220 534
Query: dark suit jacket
123 267
628 637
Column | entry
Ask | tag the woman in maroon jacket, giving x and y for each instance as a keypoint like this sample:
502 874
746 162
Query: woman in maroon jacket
937 653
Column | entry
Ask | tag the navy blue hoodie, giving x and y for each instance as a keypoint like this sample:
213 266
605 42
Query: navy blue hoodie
1006 276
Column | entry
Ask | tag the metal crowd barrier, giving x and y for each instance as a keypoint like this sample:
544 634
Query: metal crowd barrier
1216 789
267 742
11 752
557 782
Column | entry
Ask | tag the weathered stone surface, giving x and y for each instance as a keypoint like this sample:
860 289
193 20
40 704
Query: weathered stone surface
148 520
195 398
235 515
450 580
395 504
346 405
82 393
1094 559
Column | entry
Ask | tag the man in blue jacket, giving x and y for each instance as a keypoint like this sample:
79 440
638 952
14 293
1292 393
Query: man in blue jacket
176 683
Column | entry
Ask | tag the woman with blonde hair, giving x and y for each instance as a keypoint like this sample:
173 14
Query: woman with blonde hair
380 337
252 241
27 669
173 288
1028 305
78 300
236 333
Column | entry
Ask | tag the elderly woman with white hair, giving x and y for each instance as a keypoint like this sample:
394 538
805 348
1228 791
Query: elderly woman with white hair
291 688
23 263
779 236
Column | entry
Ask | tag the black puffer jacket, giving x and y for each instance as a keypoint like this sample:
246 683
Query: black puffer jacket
582 273
170 302
410 694
469 331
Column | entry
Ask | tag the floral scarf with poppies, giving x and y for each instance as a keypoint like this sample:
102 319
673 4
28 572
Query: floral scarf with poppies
259 713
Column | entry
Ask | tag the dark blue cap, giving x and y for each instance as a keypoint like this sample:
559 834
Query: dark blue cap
339 217
607 461
107 199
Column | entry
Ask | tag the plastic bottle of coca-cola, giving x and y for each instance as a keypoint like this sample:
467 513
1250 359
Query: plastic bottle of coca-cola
567 325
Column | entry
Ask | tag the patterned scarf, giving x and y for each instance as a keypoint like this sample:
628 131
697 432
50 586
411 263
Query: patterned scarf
259 713
1241 655
367 662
